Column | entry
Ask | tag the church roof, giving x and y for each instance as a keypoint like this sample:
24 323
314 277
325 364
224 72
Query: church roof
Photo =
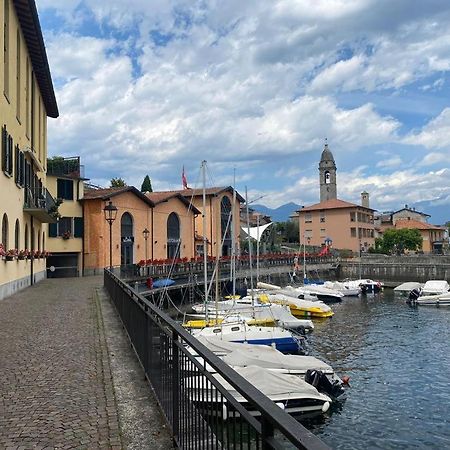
326 154
334 203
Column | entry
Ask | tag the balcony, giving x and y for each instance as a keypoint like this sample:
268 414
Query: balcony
39 203
65 167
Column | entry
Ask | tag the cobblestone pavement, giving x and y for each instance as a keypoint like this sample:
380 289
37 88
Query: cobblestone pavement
55 382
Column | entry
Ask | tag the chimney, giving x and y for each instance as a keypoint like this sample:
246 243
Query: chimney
365 199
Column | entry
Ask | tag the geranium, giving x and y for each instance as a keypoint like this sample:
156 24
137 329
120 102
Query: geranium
2 250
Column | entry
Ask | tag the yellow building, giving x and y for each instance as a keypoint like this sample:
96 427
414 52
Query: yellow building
26 100
65 181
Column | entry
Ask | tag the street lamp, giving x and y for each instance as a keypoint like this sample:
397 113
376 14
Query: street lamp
146 234
110 216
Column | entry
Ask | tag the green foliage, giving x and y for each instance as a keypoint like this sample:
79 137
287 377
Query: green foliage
146 185
287 232
397 241
117 182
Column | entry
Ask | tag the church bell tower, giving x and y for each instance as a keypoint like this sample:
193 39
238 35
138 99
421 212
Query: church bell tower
327 173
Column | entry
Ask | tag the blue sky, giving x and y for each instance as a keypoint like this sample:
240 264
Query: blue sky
145 87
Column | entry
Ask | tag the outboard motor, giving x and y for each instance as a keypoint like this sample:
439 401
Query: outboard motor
413 295
321 382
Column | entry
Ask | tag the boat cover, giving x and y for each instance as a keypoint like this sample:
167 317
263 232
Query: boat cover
408 286
435 287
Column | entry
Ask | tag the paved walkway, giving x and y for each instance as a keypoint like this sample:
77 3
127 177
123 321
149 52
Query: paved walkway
56 386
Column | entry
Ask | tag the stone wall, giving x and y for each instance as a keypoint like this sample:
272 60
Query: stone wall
397 268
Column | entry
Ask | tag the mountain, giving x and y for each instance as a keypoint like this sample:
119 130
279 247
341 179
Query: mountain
280 214
438 209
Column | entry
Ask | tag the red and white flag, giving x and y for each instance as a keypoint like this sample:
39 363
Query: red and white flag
184 180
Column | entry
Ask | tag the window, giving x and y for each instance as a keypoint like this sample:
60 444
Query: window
322 232
5 232
17 235
322 216
308 218
352 217
6 48
327 177
26 236
353 232
65 226
19 167
308 233
7 152
64 189
78 227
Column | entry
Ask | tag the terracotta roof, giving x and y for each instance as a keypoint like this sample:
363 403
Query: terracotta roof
104 194
31 29
209 191
332 204
164 196
405 223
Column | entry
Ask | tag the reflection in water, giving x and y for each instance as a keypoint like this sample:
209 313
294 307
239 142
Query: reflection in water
398 360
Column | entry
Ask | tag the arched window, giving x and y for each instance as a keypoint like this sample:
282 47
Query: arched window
127 239
43 240
327 177
17 235
173 236
26 237
5 227
225 225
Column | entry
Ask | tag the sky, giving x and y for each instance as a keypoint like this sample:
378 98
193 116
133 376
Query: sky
254 87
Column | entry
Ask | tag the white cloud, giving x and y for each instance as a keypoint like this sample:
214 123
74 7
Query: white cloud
435 158
395 161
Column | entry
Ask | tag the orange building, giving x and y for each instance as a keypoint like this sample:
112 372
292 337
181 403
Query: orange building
167 216
219 204
432 235
333 221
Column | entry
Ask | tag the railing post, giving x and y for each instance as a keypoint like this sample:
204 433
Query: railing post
267 433
175 388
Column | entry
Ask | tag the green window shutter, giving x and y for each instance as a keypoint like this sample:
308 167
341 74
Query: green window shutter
78 227
52 229
4 147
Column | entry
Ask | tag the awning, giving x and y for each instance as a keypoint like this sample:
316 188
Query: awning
256 231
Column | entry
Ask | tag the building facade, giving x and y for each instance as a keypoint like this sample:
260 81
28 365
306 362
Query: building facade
334 222
65 181
433 237
27 100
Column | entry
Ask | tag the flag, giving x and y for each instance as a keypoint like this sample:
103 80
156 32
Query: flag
184 180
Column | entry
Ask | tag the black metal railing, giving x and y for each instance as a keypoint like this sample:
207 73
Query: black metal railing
201 412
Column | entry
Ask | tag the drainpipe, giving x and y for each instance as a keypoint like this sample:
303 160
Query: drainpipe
82 241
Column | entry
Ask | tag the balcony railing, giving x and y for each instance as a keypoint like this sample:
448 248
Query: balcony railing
40 204
65 167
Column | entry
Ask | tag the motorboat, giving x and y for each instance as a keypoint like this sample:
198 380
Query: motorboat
309 368
253 310
433 293
285 341
289 392
299 307
318 292
367 285
346 291
405 288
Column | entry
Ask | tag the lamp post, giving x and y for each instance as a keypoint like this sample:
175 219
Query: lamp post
146 234
110 212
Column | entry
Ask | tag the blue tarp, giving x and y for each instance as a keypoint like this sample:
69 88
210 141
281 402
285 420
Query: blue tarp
163 283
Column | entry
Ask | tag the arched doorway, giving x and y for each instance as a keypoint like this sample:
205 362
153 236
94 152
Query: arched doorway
126 239
173 236
225 225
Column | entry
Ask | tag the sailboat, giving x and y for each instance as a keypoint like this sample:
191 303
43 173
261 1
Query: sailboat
237 329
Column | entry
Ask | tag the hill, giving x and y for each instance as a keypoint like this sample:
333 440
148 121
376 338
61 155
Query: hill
280 214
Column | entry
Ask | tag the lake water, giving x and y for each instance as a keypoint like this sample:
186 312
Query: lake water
398 360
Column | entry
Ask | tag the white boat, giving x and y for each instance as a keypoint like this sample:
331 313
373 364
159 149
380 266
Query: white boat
306 367
239 331
367 285
433 292
289 392
255 312
318 292
346 291
405 288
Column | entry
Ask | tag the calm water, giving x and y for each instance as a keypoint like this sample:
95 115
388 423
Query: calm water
398 360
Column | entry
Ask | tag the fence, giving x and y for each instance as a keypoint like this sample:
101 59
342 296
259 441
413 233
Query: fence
201 412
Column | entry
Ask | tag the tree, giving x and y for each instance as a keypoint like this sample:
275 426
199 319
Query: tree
117 182
146 185
397 241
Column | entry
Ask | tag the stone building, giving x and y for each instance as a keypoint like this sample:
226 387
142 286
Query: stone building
27 100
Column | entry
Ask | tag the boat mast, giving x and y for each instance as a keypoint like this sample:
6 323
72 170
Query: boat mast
205 246
233 238
249 249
